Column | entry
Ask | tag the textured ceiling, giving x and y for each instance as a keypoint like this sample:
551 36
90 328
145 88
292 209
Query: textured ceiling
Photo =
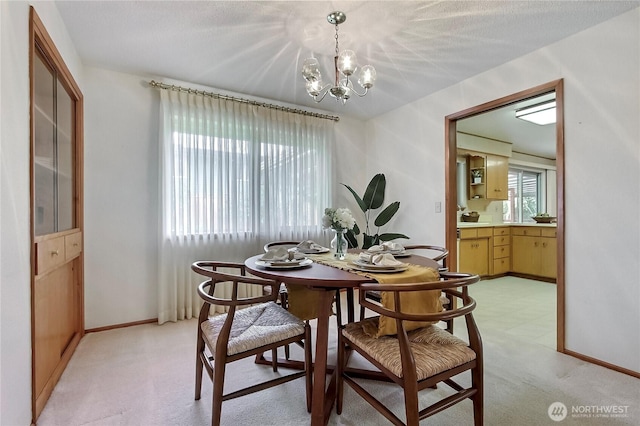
257 48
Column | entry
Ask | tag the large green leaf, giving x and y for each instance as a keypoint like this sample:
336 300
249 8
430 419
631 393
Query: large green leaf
361 203
351 239
369 240
391 236
374 194
386 214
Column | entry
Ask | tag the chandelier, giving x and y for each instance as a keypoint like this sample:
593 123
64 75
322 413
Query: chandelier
345 64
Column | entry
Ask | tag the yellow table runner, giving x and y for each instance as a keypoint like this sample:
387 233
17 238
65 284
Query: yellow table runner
301 299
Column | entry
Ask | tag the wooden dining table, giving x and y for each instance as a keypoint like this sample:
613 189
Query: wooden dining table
326 280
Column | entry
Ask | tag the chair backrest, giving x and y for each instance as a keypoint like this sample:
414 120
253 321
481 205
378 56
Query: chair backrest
454 284
288 244
206 288
441 256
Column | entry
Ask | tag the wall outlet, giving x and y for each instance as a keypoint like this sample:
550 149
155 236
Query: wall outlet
438 207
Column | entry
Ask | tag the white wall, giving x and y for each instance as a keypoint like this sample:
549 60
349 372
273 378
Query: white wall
15 293
601 72
121 192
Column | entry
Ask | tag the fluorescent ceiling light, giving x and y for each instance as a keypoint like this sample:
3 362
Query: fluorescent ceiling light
544 113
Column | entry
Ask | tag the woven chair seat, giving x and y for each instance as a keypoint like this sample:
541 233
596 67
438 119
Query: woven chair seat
435 350
253 327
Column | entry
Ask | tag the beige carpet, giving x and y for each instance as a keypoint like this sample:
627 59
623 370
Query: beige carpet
144 375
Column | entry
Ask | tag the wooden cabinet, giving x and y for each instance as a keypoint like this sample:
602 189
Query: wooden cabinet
534 251
501 257
497 182
488 176
57 316
476 174
473 253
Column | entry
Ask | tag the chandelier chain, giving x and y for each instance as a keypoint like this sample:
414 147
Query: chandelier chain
337 49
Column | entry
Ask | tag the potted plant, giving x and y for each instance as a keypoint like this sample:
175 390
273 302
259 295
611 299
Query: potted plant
476 174
373 199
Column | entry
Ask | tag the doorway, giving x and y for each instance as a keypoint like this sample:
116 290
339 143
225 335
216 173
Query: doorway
451 200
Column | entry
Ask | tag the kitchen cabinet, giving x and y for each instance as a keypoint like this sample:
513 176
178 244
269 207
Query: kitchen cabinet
534 251
501 255
477 176
488 176
497 173
473 251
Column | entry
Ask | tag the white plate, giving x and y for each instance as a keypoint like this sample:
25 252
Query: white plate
372 266
381 271
285 265
313 251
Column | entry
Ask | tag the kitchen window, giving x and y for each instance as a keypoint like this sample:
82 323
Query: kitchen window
526 195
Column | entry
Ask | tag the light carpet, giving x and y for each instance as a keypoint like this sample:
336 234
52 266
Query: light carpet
144 375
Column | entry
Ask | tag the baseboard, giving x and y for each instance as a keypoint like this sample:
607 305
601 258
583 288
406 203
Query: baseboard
602 363
128 324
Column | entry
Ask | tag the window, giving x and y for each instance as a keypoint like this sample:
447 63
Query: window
525 195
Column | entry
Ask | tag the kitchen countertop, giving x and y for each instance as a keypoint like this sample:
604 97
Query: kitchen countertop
487 224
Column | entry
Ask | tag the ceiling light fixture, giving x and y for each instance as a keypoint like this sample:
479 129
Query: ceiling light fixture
543 113
345 63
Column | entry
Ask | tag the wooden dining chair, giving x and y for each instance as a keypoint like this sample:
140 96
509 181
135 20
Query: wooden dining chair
417 359
437 253
252 326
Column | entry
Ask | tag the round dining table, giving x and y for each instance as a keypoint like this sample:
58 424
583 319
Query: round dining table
326 280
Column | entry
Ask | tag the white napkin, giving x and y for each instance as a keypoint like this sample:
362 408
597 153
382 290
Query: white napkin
386 246
309 246
277 254
385 259
379 259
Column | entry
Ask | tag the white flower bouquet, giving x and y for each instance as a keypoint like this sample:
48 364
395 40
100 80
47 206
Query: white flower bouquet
339 219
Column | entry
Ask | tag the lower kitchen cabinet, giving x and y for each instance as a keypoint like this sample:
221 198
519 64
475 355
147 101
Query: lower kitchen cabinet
473 255
534 251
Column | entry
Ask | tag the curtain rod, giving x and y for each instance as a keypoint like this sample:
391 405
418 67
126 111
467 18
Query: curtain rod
164 86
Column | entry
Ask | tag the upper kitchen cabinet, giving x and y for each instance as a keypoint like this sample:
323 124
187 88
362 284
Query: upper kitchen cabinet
497 177
487 176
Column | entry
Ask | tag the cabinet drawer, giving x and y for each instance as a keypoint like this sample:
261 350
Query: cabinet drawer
49 254
501 231
548 232
501 266
532 232
500 241
501 251
72 245
466 233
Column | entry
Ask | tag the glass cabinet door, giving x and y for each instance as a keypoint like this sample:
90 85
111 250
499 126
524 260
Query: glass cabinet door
54 162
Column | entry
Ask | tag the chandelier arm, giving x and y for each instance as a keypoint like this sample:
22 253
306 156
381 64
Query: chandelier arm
324 92
360 95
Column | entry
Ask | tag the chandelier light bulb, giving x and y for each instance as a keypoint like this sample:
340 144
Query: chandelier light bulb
311 70
367 76
314 87
347 62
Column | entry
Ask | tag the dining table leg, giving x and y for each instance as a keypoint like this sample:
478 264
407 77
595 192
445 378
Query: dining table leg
323 398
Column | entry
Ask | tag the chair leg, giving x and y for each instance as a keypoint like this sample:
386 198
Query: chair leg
411 404
218 389
339 370
361 313
274 360
308 365
199 368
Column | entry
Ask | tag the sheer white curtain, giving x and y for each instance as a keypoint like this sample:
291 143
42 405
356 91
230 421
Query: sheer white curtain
233 176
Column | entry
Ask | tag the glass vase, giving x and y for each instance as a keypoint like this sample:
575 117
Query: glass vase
339 244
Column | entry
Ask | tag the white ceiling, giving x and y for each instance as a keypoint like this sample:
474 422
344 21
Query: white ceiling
257 48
